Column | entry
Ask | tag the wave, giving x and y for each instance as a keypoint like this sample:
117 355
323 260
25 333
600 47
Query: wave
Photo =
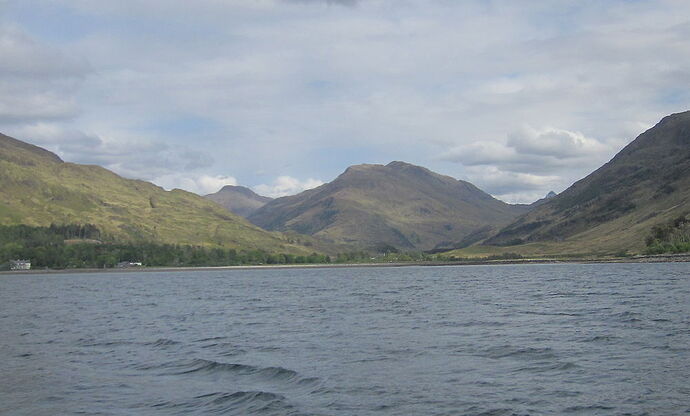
547 367
587 409
602 338
492 412
207 367
93 342
239 402
528 353
628 316
162 342
210 339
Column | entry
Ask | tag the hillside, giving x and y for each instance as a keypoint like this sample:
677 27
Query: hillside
37 188
239 200
614 208
399 205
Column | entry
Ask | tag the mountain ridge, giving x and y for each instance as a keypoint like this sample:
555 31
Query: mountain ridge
646 183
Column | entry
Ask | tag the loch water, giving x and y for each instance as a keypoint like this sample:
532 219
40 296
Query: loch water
562 339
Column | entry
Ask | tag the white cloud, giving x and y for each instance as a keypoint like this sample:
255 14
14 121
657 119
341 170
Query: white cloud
286 185
514 187
530 161
199 184
559 143
534 150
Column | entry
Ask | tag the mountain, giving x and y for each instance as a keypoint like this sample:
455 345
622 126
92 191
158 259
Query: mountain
538 202
615 207
238 199
38 188
398 205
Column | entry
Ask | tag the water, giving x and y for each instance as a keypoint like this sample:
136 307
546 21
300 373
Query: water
609 339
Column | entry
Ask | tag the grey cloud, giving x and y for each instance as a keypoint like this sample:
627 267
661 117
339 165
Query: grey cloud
59 139
349 3
558 143
196 160
30 106
25 57
36 82
513 184
532 151
531 161
134 157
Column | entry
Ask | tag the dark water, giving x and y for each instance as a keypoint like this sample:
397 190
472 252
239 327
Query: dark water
487 340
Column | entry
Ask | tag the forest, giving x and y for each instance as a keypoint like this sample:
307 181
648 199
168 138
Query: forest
80 246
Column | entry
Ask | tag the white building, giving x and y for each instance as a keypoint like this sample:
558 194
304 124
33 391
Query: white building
124 264
20 264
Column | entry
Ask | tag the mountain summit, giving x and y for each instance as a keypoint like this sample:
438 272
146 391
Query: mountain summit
239 199
399 205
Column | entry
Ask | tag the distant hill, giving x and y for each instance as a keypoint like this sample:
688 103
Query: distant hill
397 205
615 207
37 188
238 199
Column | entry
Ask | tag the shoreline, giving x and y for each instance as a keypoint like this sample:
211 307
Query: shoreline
656 258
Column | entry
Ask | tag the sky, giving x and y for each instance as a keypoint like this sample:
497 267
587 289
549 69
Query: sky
517 97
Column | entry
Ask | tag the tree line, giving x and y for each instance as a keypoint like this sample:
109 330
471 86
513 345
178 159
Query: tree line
77 246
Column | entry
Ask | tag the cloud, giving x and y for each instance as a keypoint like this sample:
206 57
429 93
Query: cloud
131 156
531 159
36 82
305 88
286 185
558 143
199 184
533 150
502 182
349 3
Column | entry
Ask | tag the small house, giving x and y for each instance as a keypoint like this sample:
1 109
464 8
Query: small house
125 264
20 264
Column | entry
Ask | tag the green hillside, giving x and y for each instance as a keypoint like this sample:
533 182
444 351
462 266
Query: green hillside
615 208
37 188
400 205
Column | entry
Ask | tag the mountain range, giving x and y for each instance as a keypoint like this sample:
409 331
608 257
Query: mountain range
397 206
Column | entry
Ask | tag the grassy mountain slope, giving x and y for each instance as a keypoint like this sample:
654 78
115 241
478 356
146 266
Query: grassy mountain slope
401 205
37 188
614 208
239 200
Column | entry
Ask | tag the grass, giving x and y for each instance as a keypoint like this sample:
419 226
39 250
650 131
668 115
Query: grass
38 190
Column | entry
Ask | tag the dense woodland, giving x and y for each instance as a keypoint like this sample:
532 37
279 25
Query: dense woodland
79 246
